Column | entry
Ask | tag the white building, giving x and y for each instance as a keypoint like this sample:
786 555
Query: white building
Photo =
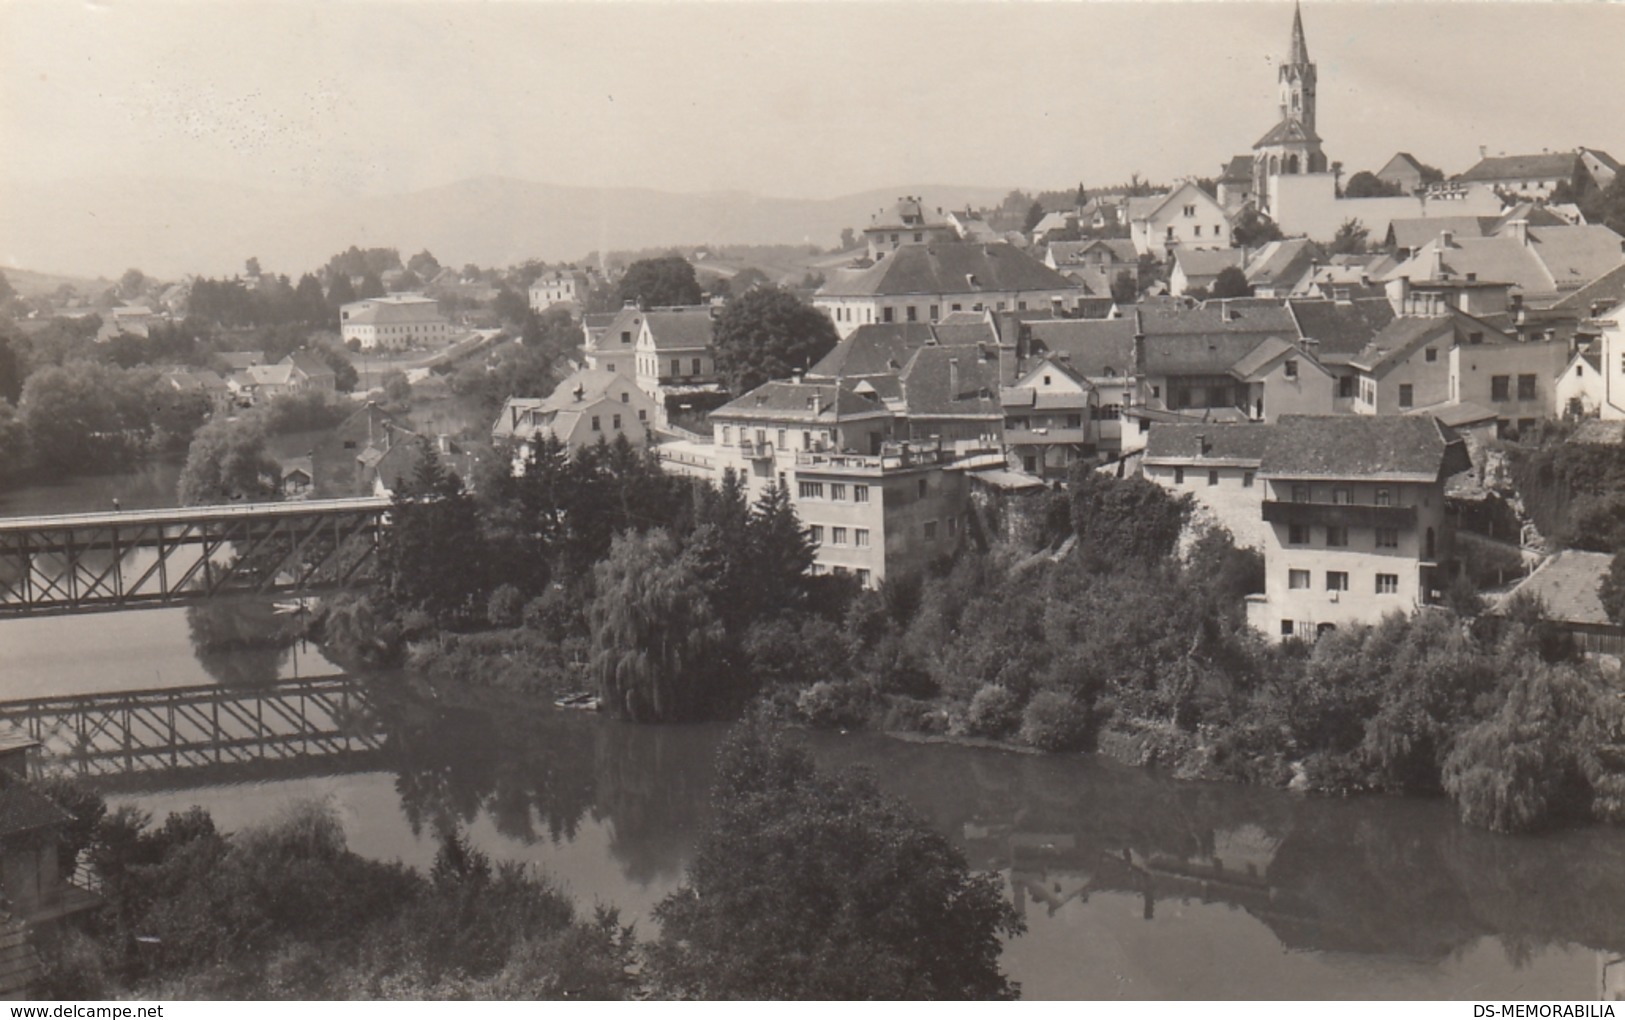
395 322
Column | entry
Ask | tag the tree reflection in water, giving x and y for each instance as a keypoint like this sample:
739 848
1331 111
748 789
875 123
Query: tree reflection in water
241 642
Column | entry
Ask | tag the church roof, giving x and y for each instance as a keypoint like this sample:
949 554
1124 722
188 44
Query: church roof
1289 131
1299 53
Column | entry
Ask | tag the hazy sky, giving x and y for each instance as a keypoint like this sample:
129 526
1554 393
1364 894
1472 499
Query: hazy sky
810 100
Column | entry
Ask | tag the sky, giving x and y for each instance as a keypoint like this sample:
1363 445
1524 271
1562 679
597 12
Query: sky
786 99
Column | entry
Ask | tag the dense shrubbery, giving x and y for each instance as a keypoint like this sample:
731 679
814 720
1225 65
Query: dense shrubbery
1574 492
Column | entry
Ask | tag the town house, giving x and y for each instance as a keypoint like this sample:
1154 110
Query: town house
1217 465
585 407
673 356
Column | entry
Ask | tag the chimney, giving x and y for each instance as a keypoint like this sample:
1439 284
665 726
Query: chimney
1520 230
1483 152
817 402
953 378
1201 444
1436 263
1139 355
1226 313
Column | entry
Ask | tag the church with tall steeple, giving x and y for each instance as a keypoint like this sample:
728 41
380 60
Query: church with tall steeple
1291 146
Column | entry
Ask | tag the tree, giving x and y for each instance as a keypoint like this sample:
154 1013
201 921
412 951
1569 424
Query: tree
780 550
768 334
1230 283
654 631
340 291
849 239
372 286
228 461
1035 215
1350 238
1080 199
1124 520
510 305
1612 589
1254 229
131 284
407 281
432 556
814 885
7 291
1366 184
424 265
663 281
251 268
1125 288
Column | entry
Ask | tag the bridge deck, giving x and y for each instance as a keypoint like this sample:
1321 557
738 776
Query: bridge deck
192 514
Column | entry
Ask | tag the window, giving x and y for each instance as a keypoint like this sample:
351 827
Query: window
616 421
817 533
643 415
1179 476
837 536
1475 338
1190 210
1170 234
1337 535
929 529
863 577
782 444
1430 355
1337 580
837 490
860 538
1345 386
626 398
885 315
918 236
595 425
1074 421
1385 497
953 526
1405 394
695 370
1297 579
676 367
1387 538
1246 479
922 488
1526 387
934 315
1387 584
1500 387
1297 534
913 314
1291 368
1213 476
761 437
860 494
626 336
727 434
1341 497
1286 628
1198 230
811 490
1300 494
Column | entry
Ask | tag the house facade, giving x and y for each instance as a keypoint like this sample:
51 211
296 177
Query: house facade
1186 217
1050 418
1217 466
1518 381
1356 518
394 322
906 221
673 356
560 287
587 406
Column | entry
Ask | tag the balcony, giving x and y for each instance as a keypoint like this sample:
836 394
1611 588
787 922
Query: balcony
755 451
1045 436
1348 515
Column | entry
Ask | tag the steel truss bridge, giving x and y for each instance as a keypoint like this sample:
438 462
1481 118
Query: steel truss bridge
93 562
204 727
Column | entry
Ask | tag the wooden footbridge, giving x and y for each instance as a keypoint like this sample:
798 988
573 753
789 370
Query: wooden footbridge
93 562
202 727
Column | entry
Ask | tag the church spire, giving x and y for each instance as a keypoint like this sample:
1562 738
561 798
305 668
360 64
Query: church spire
1299 54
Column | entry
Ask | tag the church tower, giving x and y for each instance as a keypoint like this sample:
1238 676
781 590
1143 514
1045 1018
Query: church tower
1291 147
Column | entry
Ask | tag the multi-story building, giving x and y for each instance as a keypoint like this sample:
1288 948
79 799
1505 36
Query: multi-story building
560 287
907 221
759 434
927 282
673 356
1050 417
1518 381
611 345
395 322
1186 217
1357 526
587 406
1217 465
1610 345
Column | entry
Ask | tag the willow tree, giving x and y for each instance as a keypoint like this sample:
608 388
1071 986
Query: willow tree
655 632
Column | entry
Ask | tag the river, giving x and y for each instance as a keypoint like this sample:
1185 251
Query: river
1132 885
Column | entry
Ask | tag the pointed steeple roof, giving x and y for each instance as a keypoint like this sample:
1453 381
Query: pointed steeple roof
1299 53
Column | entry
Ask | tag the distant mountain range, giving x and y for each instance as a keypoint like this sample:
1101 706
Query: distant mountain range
169 228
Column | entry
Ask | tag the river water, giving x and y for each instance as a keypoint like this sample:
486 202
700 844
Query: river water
1132 885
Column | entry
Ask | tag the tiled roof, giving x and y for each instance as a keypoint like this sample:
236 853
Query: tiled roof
1400 338
1288 130
1283 261
309 364
673 329
1261 317
1199 263
965 332
1342 328
628 320
779 401
928 389
592 382
1609 288
1224 442
1508 168
1574 256
1401 161
1214 354
1096 348
1412 232
1490 259
23 809
929 269
872 349
241 359
392 310
1268 351
1392 447
1567 584
1071 253
1238 170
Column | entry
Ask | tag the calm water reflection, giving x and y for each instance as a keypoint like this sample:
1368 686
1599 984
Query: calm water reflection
1132 885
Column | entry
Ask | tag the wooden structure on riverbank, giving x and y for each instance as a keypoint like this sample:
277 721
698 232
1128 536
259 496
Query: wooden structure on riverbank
80 563
197 727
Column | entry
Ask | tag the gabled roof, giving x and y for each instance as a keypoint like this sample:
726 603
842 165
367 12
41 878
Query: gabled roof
1209 442
1212 354
1260 317
592 383
1201 262
607 336
1280 262
1566 585
929 390
1148 207
1238 171
964 329
1071 253
1490 259
1342 329
1025 392
1576 255
962 268
1400 162
24 809
872 349
1534 166
1289 130
676 329
269 375
308 363
1399 339
803 401
1412 232
1378 447
1095 348
394 309
1609 288
1268 352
